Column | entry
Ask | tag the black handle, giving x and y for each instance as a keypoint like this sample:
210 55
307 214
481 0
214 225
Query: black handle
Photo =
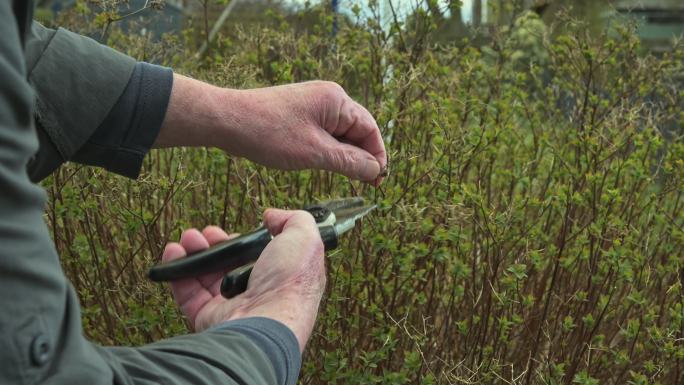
222 256
235 282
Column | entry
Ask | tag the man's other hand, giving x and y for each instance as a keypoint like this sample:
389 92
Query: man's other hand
291 127
286 284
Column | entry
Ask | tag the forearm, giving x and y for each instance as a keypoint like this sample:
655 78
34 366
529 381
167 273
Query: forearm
195 116
292 127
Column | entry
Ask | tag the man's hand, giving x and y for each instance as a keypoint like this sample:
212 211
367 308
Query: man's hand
286 284
297 126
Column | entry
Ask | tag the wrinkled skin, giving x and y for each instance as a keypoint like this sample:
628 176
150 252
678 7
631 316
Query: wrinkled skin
312 125
286 284
292 127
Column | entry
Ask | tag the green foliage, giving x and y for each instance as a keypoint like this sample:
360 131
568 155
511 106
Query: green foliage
530 231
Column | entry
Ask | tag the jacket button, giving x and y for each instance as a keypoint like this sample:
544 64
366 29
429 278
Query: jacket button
40 350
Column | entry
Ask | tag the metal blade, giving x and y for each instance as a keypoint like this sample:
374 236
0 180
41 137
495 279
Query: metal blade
347 218
336 205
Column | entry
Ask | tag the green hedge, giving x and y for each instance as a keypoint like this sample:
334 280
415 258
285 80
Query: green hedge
530 231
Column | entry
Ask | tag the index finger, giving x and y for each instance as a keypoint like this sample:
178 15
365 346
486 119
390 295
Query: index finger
365 133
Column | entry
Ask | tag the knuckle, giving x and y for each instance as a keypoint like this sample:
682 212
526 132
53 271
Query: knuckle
350 158
331 85
336 87
331 89
330 161
342 161
304 216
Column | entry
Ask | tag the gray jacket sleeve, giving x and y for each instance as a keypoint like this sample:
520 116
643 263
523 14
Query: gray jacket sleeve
108 115
123 139
40 324
270 355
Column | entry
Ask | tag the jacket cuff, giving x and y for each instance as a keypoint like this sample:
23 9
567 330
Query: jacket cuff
275 339
128 132
77 81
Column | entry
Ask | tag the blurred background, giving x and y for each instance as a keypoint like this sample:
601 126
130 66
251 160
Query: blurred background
659 21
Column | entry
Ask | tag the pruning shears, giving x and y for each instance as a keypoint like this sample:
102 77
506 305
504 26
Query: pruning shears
238 255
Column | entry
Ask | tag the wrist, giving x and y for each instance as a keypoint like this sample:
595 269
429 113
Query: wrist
244 118
194 117
291 308
232 111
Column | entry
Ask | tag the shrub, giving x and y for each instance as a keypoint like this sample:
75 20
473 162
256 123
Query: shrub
530 231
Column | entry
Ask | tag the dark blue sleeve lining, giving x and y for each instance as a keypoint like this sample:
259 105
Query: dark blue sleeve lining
273 338
128 132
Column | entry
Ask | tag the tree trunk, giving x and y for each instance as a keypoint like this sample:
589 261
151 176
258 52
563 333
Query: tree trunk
477 13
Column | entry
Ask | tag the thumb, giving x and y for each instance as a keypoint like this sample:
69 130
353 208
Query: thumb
353 162
277 221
